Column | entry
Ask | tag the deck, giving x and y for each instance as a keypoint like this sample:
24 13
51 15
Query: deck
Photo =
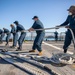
48 47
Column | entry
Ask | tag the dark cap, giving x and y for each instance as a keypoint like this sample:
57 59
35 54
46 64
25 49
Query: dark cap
35 17
16 22
71 8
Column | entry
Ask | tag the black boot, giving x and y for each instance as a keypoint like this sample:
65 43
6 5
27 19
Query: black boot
12 46
1 42
6 44
65 50
19 49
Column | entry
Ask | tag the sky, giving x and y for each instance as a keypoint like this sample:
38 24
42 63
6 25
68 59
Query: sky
50 12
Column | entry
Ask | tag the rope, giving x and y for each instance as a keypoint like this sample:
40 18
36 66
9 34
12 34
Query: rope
57 27
44 29
73 38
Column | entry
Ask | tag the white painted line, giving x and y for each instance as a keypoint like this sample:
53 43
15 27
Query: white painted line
61 44
54 44
56 47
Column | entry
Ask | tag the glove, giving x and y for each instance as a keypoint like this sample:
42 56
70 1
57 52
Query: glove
31 29
67 27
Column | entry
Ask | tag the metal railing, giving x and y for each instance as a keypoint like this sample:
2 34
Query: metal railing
49 36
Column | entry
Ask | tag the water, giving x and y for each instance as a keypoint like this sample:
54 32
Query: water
48 36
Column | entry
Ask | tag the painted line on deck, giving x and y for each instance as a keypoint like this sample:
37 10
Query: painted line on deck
60 44
56 47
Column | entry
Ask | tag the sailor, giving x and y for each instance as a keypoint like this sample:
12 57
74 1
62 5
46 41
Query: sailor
69 23
15 36
7 32
20 28
1 36
56 36
40 35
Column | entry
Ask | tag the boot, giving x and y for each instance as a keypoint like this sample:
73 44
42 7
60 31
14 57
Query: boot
18 49
65 50
12 46
1 42
6 44
40 53
32 51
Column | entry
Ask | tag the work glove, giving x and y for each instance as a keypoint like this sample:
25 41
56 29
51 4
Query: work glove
67 27
31 29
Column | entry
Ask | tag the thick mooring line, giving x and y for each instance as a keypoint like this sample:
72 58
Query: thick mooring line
34 63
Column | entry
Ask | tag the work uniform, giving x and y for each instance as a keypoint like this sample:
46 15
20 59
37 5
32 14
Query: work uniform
7 32
22 36
40 35
56 35
68 38
15 36
1 35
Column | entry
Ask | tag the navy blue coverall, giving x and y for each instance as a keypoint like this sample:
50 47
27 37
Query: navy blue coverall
7 32
22 36
68 38
56 35
15 36
40 35
1 35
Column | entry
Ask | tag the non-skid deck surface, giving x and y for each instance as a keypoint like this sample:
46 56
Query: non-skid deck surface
47 51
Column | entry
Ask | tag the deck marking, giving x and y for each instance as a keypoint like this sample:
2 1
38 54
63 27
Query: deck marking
56 47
